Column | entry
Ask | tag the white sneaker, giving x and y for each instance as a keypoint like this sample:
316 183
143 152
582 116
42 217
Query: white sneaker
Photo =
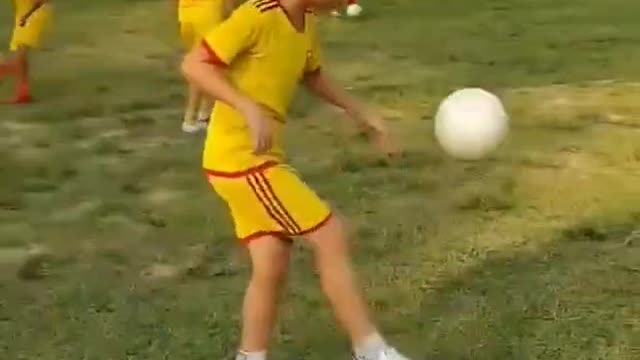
336 13
354 10
387 354
194 127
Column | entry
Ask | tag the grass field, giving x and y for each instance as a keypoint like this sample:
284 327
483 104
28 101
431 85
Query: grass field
532 254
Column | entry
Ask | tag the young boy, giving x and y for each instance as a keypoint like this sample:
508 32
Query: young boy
252 63
32 17
196 18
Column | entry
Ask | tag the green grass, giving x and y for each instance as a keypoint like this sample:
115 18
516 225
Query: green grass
532 254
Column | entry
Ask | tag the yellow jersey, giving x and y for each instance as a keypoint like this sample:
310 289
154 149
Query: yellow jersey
266 58
195 11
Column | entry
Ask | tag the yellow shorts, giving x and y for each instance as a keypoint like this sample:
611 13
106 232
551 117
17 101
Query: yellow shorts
192 32
270 200
30 35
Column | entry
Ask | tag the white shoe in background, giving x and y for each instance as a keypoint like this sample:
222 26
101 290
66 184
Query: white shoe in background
354 10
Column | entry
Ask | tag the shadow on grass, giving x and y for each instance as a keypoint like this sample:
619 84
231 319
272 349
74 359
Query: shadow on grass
575 298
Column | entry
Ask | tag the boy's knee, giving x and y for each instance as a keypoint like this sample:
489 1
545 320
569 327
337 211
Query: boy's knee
330 238
270 275
270 261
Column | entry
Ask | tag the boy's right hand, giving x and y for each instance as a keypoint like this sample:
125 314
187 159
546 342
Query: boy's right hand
259 121
376 128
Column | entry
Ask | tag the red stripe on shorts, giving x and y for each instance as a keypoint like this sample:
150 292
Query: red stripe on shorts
278 203
260 234
268 205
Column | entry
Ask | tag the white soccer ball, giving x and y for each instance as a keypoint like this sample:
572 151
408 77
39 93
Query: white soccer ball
471 123
354 10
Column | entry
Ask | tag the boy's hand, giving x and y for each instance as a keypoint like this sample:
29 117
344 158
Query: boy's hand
384 142
259 121
378 132
373 124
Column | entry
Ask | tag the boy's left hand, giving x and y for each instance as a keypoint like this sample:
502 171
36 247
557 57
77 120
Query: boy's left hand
380 135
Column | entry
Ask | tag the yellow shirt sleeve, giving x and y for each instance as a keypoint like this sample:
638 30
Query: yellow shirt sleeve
235 35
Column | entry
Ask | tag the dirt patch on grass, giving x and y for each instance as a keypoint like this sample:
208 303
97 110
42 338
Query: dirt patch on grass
578 104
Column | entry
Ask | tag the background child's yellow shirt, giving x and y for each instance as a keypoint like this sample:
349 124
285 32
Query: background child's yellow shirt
196 11
22 6
267 58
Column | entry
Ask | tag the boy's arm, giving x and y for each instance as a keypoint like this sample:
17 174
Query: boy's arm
205 65
37 4
324 87
201 69
319 82
229 5
210 77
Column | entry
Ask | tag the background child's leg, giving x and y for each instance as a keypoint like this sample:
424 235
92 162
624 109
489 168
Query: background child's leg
206 105
22 93
270 261
18 67
189 123
203 27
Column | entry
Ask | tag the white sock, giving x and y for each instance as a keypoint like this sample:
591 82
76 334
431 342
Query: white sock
253 355
370 346
204 111
204 114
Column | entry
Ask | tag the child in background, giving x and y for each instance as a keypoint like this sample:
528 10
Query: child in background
32 18
196 18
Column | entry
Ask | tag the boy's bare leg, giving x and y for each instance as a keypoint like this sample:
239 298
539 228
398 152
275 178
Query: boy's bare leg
338 281
340 286
270 262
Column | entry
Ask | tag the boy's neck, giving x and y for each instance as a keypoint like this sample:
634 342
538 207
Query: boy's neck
295 10
294 7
